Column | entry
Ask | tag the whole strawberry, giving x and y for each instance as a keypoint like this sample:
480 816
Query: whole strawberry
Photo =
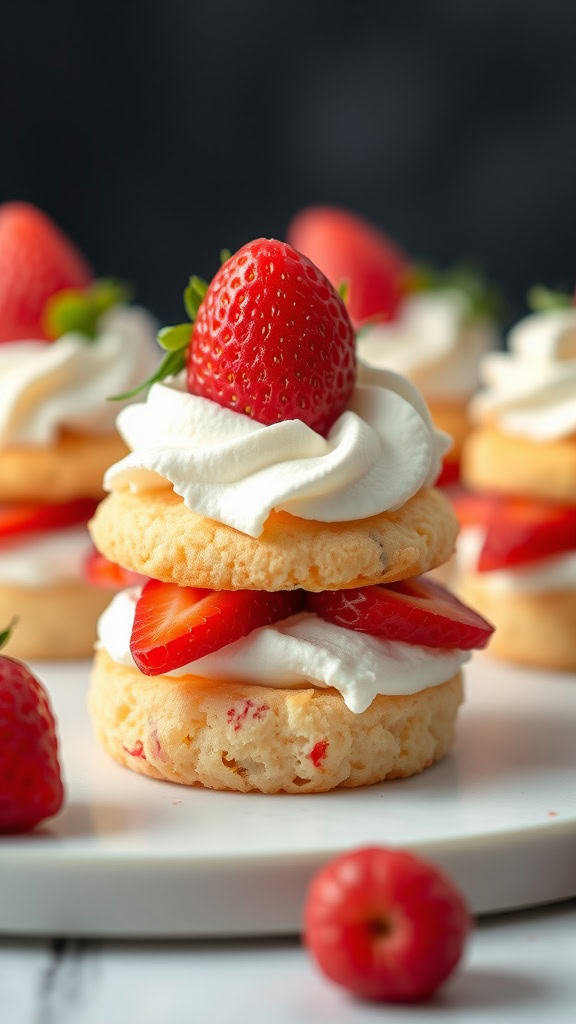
273 340
30 782
36 262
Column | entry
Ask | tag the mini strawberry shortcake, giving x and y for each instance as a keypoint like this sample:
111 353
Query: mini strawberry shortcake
517 552
281 500
67 342
431 326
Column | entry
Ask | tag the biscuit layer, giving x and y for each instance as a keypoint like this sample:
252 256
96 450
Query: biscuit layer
73 467
53 622
155 534
243 737
511 465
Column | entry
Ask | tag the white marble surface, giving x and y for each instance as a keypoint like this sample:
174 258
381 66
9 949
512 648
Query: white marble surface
520 968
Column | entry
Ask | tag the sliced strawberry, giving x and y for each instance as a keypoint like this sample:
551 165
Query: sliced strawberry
449 474
520 531
476 509
36 262
175 626
273 340
109 575
415 611
18 517
349 249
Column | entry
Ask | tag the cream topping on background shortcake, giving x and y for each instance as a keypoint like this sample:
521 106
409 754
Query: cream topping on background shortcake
67 383
232 469
303 650
436 341
37 560
530 391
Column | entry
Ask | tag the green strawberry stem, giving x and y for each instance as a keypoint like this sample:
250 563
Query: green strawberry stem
542 299
79 310
6 633
485 300
174 341
344 291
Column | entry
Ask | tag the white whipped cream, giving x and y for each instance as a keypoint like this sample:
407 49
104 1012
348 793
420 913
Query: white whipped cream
530 391
302 650
42 559
66 383
544 575
232 469
435 342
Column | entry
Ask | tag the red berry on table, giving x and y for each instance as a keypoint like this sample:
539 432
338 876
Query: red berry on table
31 788
174 625
36 262
350 249
416 611
272 339
385 925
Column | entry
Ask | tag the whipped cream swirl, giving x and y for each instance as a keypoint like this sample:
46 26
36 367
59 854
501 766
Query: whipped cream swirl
436 342
66 383
230 468
303 650
530 391
545 575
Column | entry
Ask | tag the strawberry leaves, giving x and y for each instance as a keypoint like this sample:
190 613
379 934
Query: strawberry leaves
79 310
174 340
542 299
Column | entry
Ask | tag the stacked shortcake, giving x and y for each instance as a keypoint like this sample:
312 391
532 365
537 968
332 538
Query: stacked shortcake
517 551
67 342
281 501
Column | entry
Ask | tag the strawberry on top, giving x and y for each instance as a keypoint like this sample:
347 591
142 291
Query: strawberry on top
36 262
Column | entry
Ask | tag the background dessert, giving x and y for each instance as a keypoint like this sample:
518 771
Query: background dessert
430 326
67 342
516 555
271 490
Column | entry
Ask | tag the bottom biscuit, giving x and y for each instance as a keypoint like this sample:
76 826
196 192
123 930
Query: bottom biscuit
244 737
53 621
531 628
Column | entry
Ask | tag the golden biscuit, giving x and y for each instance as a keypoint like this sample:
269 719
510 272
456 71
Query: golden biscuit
53 621
452 417
498 462
155 534
236 736
73 467
531 628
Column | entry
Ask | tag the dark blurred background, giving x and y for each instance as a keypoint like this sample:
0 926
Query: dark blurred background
158 132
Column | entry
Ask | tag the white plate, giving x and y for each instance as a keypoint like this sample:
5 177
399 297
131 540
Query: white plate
135 857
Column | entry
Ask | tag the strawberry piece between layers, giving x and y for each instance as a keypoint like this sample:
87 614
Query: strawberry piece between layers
174 626
20 517
273 340
518 530
109 575
416 611
385 924
350 249
31 787
36 262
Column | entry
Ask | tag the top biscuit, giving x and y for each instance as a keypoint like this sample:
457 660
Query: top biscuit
70 468
155 534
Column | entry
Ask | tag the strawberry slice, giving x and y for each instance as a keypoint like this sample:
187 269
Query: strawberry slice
109 575
17 517
415 611
520 531
175 626
349 249
449 474
476 509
